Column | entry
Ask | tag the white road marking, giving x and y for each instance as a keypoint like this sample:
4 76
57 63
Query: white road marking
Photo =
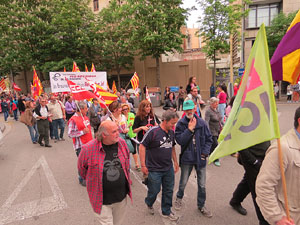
10 213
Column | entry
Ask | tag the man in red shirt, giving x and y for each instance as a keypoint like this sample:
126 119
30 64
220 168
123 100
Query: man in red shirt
79 129
104 164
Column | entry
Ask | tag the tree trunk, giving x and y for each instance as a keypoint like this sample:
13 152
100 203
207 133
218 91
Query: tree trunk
119 79
214 70
157 72
26 82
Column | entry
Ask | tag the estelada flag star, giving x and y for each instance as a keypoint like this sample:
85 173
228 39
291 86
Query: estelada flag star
285 61
253 118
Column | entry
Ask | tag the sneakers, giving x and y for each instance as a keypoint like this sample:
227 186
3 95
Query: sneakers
178 204
217 163
82 182
205 212
150 210
239 208
171 216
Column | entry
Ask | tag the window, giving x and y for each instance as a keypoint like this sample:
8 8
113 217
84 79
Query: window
96 5
259 14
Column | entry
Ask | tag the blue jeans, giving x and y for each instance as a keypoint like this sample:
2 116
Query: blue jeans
221 109
6 114
201 178
58 123
34 134
16 115
155 181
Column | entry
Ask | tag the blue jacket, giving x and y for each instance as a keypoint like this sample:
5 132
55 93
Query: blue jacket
203 141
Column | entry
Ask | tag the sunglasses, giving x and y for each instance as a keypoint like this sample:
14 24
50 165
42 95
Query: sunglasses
125 109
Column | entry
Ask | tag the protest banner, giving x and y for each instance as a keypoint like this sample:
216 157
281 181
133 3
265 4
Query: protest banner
59 83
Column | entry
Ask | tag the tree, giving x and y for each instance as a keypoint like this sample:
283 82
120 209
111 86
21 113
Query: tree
277 30
115 30
220 19
157 26
48 34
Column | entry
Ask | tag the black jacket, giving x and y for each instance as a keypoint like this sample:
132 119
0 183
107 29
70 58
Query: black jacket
170 104
38 109
253 153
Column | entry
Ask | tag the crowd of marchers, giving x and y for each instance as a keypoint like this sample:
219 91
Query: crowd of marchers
103 140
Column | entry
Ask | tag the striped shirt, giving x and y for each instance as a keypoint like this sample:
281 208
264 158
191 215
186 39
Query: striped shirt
74 133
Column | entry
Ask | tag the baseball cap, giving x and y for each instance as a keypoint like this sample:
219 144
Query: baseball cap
189 104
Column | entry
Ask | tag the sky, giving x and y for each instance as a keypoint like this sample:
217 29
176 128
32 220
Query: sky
192 20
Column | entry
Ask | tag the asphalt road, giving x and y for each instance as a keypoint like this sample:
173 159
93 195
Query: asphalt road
39 185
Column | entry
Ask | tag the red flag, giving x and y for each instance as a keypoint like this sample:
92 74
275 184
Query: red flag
65 69
78 92
16 87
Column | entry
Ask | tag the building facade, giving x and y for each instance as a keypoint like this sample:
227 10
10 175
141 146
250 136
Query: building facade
264 11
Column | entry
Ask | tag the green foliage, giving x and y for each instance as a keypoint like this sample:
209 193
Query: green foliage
277 30
46 34
157 26
220 19
115 32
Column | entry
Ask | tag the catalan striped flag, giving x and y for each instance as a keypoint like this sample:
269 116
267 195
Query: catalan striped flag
135 83
285 62
108 88
36 84
2 84
65 69
114 87
86 69
75 67
93 68
105 97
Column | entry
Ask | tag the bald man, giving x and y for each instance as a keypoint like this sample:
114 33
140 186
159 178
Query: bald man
104 164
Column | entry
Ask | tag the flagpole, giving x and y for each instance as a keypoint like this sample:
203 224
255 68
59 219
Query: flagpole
286 204
127 84
80 114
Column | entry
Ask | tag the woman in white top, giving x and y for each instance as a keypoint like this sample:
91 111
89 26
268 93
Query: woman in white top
117 117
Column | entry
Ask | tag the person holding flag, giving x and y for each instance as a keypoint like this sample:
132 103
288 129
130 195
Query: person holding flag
79 129
254 120
269 188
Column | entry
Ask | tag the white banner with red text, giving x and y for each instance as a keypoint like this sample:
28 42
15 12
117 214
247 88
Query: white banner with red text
59 83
